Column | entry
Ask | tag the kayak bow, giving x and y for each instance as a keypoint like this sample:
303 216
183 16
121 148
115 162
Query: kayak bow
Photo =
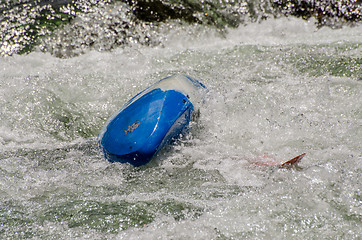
150 120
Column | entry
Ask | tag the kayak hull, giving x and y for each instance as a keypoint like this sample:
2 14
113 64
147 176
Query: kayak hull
152 119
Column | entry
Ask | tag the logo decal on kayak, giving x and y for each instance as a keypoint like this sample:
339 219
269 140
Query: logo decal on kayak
132 127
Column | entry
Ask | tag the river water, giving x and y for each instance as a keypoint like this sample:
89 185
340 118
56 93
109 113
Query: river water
281 86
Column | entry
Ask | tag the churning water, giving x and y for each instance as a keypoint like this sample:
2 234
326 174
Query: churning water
281 86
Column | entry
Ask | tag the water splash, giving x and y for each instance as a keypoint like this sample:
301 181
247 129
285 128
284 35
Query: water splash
69 28
279 86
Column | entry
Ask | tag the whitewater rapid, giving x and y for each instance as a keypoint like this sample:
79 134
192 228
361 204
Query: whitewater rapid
281 86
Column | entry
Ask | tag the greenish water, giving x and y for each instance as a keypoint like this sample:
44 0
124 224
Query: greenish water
282 86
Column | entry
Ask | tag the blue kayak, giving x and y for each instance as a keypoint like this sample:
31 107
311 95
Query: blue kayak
150 120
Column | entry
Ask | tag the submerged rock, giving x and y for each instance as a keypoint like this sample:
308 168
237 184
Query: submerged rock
327 13
68 28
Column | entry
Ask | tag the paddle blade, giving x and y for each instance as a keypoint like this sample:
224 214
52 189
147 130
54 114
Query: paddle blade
293 161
